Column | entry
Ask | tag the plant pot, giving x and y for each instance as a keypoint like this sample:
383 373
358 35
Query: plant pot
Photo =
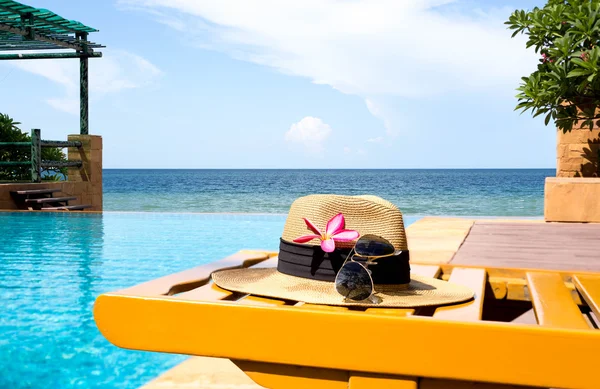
572 200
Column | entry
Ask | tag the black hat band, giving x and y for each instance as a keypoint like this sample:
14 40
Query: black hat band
312 262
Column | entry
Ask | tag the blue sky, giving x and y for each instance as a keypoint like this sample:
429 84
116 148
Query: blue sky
291 84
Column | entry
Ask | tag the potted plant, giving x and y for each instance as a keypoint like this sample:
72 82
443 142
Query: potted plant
565 88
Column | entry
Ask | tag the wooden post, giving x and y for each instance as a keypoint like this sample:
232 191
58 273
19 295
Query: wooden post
36 155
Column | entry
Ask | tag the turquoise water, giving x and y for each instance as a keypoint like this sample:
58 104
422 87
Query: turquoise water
53 266
464 192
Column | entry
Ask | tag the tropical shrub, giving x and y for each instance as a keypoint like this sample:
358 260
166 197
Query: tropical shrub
566 85
10 132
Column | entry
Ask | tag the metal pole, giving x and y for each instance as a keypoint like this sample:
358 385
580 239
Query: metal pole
48 55
83 96
36 155
83 88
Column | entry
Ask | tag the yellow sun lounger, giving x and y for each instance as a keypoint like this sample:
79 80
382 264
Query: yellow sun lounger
287 344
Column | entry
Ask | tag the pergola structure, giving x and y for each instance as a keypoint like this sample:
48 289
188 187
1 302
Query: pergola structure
25 28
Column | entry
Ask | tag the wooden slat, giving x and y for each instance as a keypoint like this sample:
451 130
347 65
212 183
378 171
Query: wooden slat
35 191
552 302
422 270
278 376
589 287
318 307
67 208
381 381
258 300
429 383
470 311
209 292
195 277
550 246
51 199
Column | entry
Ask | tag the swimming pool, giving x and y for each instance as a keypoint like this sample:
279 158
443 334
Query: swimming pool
53 266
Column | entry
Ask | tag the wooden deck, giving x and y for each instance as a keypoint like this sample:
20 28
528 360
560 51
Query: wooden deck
551 246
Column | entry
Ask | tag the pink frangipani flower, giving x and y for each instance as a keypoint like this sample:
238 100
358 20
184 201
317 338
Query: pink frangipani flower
334 231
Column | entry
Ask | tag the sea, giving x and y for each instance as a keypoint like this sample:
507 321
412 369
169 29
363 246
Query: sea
420 192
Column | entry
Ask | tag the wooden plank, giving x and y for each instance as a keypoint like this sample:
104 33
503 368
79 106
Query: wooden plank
428 383
278 376
193 278
552 302
35 191
209 292
259 300
50 199
330 308
381 381
432 271
470 311
550 246
67 208
589 287
203 373
212 292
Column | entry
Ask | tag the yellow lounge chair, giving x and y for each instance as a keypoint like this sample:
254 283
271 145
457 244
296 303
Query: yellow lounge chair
478 344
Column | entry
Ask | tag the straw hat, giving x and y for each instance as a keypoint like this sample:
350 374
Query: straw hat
306 271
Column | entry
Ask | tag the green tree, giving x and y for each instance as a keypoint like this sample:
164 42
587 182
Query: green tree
10 132
566 85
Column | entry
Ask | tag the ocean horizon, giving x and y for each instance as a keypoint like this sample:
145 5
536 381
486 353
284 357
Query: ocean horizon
425 192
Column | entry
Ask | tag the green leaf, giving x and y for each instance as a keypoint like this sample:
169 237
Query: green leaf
578 72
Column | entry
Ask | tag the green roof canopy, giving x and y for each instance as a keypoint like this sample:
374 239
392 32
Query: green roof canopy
27 28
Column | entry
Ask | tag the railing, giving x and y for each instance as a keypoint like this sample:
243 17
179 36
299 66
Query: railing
36 161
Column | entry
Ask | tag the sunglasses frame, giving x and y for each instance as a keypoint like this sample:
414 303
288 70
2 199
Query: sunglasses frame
364 265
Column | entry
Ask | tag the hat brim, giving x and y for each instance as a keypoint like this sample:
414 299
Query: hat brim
268 282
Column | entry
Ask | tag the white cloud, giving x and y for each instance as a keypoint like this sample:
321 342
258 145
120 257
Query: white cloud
364 47
370 48
311 132
378 139
115 71
347 150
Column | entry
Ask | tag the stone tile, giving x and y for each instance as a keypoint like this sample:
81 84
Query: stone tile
203 373
435 239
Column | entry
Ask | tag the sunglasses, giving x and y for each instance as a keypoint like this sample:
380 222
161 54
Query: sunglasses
354 280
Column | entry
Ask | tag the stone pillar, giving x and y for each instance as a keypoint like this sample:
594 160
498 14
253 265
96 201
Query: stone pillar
90 171
577 153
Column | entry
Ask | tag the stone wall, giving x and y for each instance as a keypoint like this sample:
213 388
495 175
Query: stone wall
91 170
577 153
85 183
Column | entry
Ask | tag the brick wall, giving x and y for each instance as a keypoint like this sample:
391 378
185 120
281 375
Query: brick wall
577 153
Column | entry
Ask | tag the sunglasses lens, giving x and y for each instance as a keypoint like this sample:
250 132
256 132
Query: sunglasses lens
373 246
354 282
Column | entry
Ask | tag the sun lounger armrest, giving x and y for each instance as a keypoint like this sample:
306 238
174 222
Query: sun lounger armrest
195 277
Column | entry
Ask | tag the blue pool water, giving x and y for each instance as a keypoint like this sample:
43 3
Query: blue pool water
53 266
